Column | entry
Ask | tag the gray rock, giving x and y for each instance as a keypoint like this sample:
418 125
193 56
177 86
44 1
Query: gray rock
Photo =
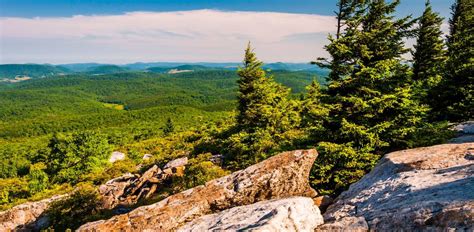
28 216
465 127
116 156
289 214
465 132
176 163
429 188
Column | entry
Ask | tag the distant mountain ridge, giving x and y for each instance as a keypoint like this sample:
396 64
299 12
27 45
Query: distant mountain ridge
11 71
106 69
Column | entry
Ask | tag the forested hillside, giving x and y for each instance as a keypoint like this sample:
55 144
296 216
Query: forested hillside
123 108
10 71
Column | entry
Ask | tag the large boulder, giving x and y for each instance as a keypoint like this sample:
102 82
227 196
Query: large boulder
28 216
289 214
281 176
429 188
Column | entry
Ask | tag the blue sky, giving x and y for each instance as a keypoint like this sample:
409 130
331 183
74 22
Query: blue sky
121 31
33 8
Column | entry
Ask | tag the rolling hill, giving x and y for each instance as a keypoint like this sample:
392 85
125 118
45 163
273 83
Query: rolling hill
10 71
106 69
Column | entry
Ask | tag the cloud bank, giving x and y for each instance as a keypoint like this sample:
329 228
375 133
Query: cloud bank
199 35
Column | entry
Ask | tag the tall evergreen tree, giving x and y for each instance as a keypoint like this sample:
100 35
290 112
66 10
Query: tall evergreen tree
430 55
265 119
373 108
348 11
455 99
376 97
263 103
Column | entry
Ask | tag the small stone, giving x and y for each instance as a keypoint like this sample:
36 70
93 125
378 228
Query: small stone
116 156
177 163
323 202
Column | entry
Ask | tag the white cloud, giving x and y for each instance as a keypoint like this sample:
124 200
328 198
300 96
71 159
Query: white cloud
200 35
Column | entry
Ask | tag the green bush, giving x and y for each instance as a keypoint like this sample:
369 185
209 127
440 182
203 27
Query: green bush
200 170
82 206
12 188
75 155
38 180
338 166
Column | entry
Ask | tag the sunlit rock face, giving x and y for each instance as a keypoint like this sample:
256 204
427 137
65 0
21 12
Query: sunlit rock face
430 188
284 175
289 214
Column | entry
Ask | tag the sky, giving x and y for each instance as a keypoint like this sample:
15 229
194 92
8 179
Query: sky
127 31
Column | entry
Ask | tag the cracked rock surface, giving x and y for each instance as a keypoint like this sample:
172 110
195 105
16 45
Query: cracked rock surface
27 217
289 214
284 175
430 188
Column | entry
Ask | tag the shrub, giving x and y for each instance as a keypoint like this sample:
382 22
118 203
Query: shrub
82 206
200 170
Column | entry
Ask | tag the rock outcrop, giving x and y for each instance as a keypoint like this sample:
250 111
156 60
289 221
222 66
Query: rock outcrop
429 188
129 189
289 214
27 217
284 175
124 190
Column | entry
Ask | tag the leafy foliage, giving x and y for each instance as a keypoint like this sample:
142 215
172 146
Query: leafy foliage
265 115
201 170
82 206
38 180
73 156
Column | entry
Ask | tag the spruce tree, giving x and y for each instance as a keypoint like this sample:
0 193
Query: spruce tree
348 12
373 110
265 116
314 111
376 106
455 95
263 103
169 127
430 55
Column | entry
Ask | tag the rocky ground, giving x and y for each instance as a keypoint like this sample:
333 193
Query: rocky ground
428 188
422 189
281 176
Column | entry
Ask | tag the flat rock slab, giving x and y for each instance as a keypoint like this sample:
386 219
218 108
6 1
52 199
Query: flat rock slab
289 214
28 216
429 188
281 176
